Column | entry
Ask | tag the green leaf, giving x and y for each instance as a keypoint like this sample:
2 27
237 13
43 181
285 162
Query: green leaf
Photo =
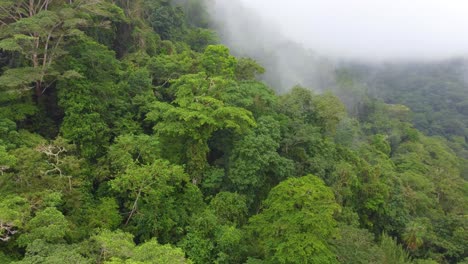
20 77
10 44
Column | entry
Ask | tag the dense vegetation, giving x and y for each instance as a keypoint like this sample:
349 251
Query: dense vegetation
129 135
436 93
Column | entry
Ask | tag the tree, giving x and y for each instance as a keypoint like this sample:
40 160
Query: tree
195 115
200 38
248 69
39 30
413 235
129 150
149 180
213 237
113 244
95 106
39 251
217 61
255 164
6 160
254 96
49 225
59 163
328 111
230 208
356 246
118 248
14 212
296 222
392 251
166 20
158 198
104 215
166 68
152 252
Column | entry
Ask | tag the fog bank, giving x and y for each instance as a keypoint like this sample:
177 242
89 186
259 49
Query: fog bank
301 42
287 62
372 29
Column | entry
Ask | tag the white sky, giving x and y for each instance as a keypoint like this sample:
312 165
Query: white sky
373 29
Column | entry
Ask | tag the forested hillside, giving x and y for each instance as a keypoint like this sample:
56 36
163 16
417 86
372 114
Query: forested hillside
437 94
129 134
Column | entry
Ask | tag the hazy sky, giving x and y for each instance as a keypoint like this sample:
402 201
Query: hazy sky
373 29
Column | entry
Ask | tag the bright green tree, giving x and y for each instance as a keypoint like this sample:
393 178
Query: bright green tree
158 199
296 222
194 115
255 164
217 61
49 225
392 251
39 251
14 213
40 30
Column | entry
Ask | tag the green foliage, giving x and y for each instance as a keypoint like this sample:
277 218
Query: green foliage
195 115
251 95
413 235
114 244
195 11
4 258
217 61
200 38
355 245
255 165
296 222
212 239
329 111
248 69
49 225
126 129
158 197
39 31
133 149
153 252
39 251
165 68
92 103
392 251
118 247
8 132
6 160
229 208
198 248
105 215
166 20
14 212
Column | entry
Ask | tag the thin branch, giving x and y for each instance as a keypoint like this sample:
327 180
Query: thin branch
48 86
56 168
45 5
9 13
31 8
134 207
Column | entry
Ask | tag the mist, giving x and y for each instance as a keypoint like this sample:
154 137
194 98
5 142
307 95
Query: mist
302 42
288 62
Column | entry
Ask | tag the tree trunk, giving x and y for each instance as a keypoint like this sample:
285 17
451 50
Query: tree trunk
38 90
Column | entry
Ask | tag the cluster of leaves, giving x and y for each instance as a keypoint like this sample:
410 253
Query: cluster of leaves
126 138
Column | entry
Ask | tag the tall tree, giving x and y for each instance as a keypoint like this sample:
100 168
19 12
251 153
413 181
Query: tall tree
296 222
195 114
39 30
